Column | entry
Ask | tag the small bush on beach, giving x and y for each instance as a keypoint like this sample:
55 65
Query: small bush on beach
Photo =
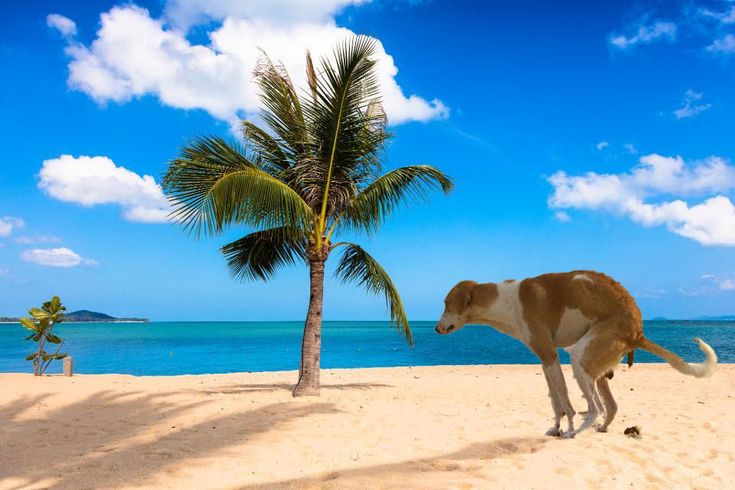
311 174
41 322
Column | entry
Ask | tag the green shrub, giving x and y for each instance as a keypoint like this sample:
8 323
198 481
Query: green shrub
41 323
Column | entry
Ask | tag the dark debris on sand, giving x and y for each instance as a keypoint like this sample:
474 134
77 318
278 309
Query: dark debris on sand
633 431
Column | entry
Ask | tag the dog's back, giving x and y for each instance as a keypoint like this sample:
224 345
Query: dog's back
583 296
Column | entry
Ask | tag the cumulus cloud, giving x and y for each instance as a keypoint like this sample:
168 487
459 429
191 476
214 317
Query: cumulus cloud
602 145
134 55
90 181
641 196
185 13
8 224
64 25
690 105
56 257
645 34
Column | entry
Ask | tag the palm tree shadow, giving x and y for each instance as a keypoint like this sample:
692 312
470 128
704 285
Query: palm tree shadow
415 473
267 387
121 439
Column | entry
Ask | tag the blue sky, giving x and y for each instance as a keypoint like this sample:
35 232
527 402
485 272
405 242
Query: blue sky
579 135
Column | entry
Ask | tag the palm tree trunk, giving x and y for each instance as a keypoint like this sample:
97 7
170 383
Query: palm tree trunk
311 343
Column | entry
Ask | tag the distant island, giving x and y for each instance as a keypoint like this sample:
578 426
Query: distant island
704 318
85 316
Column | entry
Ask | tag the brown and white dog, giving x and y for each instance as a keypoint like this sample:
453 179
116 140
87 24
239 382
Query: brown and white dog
588 313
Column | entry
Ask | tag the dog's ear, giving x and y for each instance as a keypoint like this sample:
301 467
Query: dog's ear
468 297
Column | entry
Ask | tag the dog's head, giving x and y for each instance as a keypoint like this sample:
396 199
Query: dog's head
456 308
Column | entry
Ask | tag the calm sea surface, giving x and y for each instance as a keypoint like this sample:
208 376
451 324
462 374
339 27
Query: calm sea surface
164 348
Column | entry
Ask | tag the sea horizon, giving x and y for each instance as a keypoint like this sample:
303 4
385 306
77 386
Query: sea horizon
216 347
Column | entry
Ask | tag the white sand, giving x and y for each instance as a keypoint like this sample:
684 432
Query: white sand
428 427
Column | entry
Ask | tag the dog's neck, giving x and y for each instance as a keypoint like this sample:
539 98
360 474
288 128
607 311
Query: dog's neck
504 313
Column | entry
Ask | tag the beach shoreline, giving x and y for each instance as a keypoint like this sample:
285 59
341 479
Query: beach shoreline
421 427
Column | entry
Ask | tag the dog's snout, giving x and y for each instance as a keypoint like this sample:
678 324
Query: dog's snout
444 330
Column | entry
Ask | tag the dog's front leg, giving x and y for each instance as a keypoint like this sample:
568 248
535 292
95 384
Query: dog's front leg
554 431
558 386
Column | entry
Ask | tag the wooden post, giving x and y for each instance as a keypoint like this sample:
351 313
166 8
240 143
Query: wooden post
68 366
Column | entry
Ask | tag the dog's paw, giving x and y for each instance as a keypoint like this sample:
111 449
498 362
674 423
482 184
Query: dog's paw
568 435
600 428
554 432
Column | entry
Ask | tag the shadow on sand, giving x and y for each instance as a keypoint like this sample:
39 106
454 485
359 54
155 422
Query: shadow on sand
265 387
442 471
133 438
110 448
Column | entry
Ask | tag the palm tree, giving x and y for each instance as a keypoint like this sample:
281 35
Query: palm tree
312 175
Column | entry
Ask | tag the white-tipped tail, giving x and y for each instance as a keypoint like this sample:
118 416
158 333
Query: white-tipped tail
702 370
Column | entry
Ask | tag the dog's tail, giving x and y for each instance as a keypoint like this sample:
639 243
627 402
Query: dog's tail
697 370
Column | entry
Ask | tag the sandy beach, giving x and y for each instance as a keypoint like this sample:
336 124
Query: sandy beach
421 427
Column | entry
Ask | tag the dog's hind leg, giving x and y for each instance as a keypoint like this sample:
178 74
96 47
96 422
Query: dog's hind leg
586 384
574 361
599 351
611 408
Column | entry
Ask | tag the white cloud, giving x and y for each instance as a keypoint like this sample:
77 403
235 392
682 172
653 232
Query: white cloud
630 148
723 283
185 13
725 17
710 222
602 145
135 55
724 45
56 257
8 224
645 34
64 25
562 216
690 107
96 180
30 240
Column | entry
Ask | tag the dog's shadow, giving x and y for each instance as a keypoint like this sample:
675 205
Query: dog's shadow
414 472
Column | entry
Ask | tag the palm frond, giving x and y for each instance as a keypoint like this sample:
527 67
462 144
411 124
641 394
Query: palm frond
337 116
259 254
357 266
283 111
272 157
380 199
212 184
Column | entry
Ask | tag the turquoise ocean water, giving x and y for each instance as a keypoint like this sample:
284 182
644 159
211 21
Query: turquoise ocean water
166 348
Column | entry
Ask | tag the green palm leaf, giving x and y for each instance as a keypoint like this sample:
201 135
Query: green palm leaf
212 185
257 255
274 159
357 266
283 112
384 195
337 115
